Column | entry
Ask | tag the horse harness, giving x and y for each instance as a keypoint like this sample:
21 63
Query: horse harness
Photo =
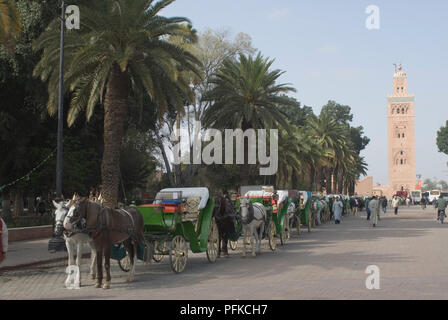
251 217
103 224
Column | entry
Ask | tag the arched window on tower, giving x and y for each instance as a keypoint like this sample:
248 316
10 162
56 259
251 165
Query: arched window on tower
402 110
398 110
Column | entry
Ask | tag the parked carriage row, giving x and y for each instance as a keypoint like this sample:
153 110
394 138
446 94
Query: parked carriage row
183 219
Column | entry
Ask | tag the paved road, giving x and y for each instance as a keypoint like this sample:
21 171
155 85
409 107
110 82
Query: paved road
330 263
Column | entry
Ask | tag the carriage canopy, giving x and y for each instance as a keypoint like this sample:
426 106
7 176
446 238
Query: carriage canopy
185 193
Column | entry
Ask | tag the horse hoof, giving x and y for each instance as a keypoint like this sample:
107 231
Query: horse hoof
97 285
93 276
106 286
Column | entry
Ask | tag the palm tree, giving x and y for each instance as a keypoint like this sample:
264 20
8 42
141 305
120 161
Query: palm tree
245 95
331 136
120 52
10 25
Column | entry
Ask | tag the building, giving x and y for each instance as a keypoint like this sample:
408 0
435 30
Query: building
400 108
401 142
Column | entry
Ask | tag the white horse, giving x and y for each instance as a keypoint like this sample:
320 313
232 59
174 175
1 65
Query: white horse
253 219
317 209
74 243
290 213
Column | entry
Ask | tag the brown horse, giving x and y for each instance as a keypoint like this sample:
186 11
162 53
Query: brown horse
225 215
107 226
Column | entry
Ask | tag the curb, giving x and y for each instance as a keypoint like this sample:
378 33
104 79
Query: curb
36 263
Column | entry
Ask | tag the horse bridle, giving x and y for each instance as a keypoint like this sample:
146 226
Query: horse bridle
251 214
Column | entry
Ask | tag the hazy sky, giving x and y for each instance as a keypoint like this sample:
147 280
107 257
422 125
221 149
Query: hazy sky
329 54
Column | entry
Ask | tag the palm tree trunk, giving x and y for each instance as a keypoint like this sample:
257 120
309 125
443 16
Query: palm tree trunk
245 167
115 117
18 203
6 204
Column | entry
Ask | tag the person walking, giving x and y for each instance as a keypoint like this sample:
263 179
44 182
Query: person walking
384 204
3 240
374 206
395 204
337 210
441 204
367 208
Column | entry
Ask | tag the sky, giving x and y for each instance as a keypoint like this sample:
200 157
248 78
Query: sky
329 54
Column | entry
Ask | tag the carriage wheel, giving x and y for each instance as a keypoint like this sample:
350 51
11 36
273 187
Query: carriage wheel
272 236
159 249
178 254
285 232
125 263
233 245
213 242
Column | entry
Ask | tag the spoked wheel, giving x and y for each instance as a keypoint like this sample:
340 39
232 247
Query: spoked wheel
272 236
213 242
125 263
285 232
233 245
159 249
178 254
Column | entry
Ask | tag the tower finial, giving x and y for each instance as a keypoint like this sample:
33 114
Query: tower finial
399 66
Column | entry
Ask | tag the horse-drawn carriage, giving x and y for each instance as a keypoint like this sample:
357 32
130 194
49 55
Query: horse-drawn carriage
179 219
276 204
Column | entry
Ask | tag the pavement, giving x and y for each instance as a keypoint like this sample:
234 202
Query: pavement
25 254
331 262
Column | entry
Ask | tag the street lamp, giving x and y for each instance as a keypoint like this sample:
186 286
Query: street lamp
57 243
60 108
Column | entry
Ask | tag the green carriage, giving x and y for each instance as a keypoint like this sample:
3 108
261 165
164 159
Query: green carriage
305 208
276 208
179 220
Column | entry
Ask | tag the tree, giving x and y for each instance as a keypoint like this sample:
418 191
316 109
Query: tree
338 112
442 139
10 25
120 52
246 95
212 49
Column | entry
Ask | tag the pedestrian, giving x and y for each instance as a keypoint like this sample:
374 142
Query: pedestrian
3 240
367 208
337 210
384 204
374 206
395 204
355 206
441 206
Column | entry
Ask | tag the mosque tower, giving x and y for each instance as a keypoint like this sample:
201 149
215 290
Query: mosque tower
401 133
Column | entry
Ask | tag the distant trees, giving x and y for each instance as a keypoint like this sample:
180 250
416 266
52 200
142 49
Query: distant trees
442 139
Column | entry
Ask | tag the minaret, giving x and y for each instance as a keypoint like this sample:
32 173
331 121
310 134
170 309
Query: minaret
401 116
